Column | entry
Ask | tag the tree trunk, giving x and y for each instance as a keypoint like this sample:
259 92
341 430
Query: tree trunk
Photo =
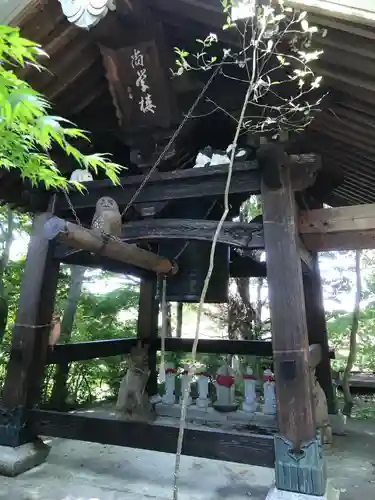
59 391
169 321
8 240
348 400
179 320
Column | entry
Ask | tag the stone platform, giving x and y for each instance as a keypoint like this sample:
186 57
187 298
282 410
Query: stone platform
207 416
76 470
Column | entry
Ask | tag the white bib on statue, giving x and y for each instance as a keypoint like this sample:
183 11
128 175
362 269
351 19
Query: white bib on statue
86 13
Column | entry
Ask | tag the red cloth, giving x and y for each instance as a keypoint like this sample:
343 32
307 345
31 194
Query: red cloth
269 378
225 380
171 370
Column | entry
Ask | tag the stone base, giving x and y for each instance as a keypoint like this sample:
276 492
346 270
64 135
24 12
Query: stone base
14 461
330 494
338 424
211 415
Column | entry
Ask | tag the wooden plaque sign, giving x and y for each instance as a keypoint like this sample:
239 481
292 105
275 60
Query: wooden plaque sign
139 86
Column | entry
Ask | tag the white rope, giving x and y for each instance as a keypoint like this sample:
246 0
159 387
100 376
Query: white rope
164 324
203 295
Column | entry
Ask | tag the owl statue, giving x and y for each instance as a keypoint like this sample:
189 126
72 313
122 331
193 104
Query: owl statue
107 217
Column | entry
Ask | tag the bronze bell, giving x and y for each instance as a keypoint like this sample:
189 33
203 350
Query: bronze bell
187 284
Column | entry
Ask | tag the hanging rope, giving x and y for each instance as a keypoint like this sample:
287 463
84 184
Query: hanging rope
204 292
164 326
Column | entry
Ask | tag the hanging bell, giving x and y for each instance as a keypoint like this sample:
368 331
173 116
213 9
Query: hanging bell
193 263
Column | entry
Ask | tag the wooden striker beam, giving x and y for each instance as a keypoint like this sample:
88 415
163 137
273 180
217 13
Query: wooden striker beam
86 239
341 228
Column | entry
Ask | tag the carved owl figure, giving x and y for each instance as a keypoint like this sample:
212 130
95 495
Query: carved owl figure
107 217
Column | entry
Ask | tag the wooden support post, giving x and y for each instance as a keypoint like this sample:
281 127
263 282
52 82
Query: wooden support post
180 308
302 473
30 336
317 330
148 327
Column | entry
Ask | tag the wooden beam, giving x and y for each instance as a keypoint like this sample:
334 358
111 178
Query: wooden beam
67 255
87 239
193 10
240 447
236 234
288 316
239 266
168 186
342 228
82 351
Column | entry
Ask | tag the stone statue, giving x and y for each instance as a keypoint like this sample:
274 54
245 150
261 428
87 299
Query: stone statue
133 401
321 409
107 217
86 13
269 393
225 389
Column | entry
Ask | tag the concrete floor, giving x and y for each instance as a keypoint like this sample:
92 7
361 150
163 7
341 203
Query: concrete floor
88 471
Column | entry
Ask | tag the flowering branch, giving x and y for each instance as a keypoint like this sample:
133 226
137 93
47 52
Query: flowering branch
275 55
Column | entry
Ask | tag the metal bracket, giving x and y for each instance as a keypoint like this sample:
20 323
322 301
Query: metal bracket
13 428
302 472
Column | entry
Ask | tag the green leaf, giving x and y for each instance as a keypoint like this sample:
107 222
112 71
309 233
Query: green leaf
27 130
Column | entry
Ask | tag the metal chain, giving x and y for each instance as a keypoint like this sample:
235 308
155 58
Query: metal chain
172 139
71 206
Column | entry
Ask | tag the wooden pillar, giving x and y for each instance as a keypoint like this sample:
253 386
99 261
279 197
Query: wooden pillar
180 308
148 327
317 330
25 370
299 464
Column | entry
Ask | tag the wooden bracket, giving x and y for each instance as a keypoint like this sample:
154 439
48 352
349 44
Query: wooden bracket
303 168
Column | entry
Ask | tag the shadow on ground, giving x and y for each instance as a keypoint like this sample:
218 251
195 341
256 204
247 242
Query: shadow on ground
351 461
89 471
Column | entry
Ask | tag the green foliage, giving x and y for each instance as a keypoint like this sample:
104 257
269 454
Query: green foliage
27 130
273 62
98 317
